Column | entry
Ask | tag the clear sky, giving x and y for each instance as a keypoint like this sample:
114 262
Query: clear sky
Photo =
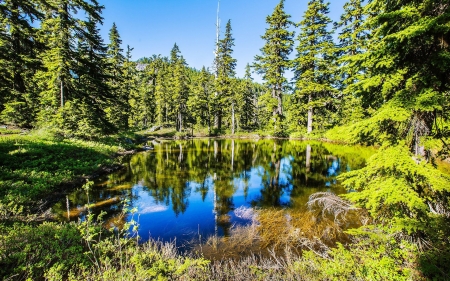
153 26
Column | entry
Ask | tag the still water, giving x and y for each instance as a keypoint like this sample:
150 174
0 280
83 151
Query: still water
184 189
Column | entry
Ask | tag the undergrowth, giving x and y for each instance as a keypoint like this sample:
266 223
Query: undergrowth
32 167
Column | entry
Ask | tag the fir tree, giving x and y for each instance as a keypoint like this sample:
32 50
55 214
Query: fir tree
94 94
178 86
225 67
247 99
274 60
119 111
18 60
408 68
353 38
56 80
200 102
129 83
314 66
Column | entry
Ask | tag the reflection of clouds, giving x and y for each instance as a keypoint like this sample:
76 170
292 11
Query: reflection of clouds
153 209
334 169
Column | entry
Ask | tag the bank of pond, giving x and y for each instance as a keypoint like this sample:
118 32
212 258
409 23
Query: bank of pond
211 209
189 191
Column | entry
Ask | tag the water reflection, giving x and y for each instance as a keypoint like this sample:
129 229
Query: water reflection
183 189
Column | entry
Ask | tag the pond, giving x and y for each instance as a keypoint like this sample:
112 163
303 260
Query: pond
184 189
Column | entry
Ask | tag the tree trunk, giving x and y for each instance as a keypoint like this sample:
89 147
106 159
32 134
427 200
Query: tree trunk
421 124
310 116
232 118
280 103
180 121
62 94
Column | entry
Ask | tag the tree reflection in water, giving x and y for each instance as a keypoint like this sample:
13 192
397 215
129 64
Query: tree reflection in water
186 188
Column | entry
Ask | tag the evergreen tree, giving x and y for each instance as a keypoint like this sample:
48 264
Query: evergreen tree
314 66
129 84
353 40
178 86
408 68
274 60
18 63
175 53
56 80
162 92
119 111
200 102
247 99
225 67
94 94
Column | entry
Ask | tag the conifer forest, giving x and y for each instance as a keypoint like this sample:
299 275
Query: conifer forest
345 138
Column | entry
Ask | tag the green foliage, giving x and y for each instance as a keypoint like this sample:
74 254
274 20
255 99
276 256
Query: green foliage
225 86
118 111
274 60
5 131
314 68
400 191
29 252
19 49
388 124
31 168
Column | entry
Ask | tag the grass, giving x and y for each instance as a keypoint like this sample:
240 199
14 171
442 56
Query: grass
83 251
33 167
5 131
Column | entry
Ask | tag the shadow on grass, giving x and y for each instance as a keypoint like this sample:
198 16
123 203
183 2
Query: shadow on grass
31 169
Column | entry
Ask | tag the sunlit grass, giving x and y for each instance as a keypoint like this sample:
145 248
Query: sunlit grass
32 167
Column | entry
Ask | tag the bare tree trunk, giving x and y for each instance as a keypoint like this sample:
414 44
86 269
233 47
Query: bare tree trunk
310 116
216 111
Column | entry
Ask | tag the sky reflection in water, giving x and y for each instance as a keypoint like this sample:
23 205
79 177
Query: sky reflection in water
185 188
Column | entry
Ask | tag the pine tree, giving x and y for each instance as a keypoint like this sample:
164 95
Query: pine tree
56 80
119 110
178 86
162 92
247 99
274 60
200 101
408 68
129 84
353 38
18 63
225 67
94 94
314 66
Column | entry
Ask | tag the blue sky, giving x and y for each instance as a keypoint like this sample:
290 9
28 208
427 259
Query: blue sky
153 26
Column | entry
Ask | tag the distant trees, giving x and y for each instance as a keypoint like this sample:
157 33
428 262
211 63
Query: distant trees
57 72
